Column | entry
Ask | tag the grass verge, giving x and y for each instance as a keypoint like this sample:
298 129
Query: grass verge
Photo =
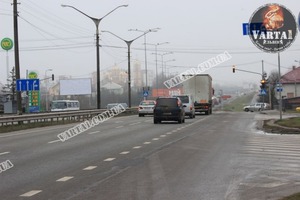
238 104
292 197
290 122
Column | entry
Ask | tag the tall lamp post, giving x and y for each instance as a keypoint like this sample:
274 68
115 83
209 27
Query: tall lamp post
47 88
128 42
156 71
97 22
166 64
145 43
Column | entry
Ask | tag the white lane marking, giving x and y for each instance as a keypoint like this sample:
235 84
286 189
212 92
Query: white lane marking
155 139
137 147
119 126
94 132
125 152
169 133
3 153
147 142
134 123
109 159
174 131
163 136
118 122
90 168
66 178
30 193
53 141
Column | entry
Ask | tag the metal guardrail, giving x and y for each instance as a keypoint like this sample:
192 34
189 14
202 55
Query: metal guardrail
55 117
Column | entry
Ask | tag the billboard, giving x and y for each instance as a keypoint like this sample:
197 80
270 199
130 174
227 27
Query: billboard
80 86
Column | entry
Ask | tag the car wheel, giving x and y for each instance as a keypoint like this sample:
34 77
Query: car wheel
246 110
183 121
179 120
155 121
191 116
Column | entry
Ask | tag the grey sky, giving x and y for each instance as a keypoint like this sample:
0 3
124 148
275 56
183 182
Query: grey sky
62 39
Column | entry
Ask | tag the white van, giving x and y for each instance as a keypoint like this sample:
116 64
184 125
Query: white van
188 103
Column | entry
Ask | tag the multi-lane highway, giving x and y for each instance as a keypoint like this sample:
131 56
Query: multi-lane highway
221 156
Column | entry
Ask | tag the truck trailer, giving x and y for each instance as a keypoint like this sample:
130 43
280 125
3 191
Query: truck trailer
200 86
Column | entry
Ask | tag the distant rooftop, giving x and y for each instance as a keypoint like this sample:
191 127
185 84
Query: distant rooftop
292 76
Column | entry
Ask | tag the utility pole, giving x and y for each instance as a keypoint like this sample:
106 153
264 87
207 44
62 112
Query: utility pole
17 61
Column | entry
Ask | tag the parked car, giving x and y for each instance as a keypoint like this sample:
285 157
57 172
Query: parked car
146 107
168 109
188 101
256 107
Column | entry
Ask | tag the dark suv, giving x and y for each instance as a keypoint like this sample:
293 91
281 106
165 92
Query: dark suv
168 109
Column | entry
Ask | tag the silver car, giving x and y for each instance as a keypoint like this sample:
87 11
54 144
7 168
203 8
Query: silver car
256 107
146 108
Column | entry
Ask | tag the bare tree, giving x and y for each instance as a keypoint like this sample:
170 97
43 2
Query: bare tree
9 89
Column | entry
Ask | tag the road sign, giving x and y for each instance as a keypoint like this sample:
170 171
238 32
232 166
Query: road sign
250 26
28 84
6 44
263 92
145 93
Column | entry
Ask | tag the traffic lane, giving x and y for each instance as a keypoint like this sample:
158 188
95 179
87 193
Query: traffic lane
61 158
200 165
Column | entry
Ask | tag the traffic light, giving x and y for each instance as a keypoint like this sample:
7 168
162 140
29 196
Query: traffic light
233 68
263 84
52 77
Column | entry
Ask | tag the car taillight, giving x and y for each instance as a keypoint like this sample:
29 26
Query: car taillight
178 103
191 108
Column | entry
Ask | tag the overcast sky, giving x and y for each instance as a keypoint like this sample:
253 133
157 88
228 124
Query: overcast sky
62 39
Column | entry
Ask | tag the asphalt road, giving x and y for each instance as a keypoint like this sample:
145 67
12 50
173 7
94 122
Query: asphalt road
221 156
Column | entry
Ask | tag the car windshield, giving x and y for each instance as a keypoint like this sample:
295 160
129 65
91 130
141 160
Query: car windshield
147 103
184 99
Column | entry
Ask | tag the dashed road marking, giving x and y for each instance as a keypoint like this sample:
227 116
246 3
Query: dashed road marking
125 152
94 132
64 179
174 131
90 168
30 193
119 126
109 159
163 136
134 123
155 139
53 141
169 133
137 147
147 142
7 152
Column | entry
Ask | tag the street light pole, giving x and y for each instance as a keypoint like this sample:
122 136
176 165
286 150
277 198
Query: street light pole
47 88
156 70
97 22
166 65
145 40
128 42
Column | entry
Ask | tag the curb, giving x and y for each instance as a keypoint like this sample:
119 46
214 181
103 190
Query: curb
270 126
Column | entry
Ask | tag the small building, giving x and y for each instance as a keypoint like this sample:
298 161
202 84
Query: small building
291 83
291 88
